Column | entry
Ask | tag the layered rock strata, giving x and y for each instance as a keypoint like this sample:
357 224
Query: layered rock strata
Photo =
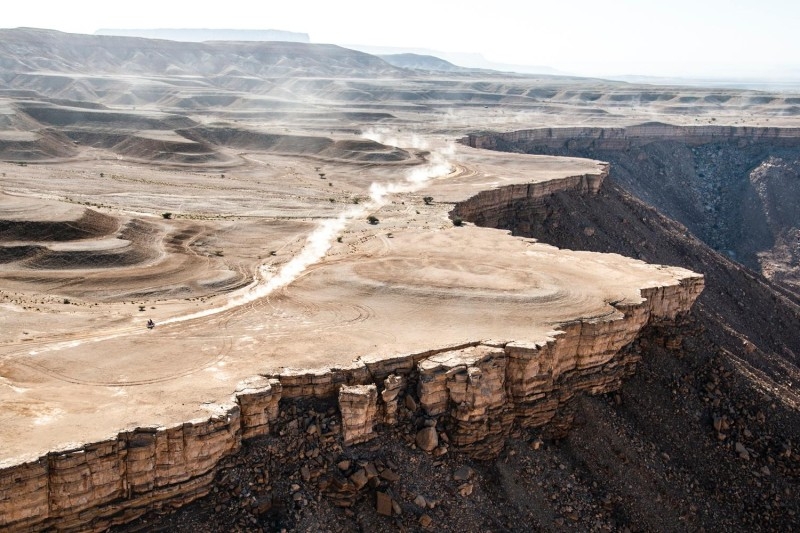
472 395
358 405
622 138
487 207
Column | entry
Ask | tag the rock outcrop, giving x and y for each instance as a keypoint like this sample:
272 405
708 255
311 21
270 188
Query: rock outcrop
100 484
358 406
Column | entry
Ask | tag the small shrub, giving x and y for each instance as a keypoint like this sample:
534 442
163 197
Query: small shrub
372 219
166 215
339 238
66 301
458 222
219 253
428 200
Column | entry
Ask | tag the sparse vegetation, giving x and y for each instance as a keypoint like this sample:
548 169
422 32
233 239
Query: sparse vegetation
372 219
166 215
219 253
428 200
457 221
339 238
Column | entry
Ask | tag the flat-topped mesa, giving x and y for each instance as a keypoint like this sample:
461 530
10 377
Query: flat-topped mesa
476 393
620 138
467 391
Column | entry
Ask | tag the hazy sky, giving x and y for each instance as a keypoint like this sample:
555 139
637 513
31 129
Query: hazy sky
588 37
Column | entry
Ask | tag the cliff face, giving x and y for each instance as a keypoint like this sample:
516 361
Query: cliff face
110 482
471 397
741 359
487 207
623 138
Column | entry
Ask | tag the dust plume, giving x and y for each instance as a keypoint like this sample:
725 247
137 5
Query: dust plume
320 240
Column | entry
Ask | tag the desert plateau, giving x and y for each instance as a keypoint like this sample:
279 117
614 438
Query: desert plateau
389 293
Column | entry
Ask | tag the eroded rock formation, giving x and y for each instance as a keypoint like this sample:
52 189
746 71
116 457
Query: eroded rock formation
471 395
358 407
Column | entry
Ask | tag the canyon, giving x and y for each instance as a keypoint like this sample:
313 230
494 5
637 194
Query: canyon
345 267
733 187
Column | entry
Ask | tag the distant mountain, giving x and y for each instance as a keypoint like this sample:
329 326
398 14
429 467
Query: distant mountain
30 50
421 62
197 35
464 60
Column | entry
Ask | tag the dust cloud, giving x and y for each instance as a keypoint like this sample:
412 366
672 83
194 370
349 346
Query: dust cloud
320 240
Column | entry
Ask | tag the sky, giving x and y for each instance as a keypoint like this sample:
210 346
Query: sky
684 38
